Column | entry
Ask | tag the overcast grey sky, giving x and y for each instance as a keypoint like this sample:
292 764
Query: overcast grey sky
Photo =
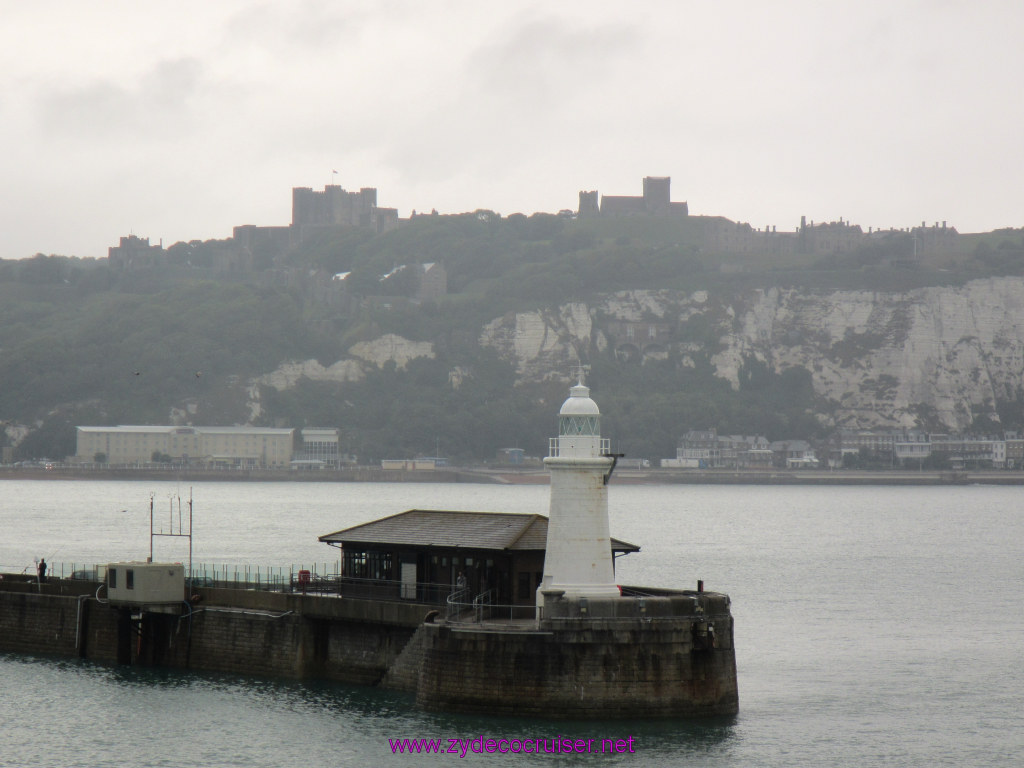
178 120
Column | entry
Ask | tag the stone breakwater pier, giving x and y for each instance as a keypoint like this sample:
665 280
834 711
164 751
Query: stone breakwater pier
660 655
656 656
476 612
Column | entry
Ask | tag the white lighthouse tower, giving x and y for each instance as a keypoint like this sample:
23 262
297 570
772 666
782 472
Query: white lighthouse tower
578 558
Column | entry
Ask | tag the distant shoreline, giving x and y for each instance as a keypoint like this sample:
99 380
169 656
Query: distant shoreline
512 476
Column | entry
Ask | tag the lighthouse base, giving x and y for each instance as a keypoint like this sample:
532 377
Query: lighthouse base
554 593
669 655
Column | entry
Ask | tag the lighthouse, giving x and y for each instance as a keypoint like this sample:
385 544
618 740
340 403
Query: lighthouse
578 557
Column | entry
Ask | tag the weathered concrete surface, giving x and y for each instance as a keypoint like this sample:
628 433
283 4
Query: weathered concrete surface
64 625
248 632
624 659
669 655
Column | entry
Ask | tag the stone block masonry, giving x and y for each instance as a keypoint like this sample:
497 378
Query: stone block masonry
667 655
587 669
277 635
404 673
252 633
58 624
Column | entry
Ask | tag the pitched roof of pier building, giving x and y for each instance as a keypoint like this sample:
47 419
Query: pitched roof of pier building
422 528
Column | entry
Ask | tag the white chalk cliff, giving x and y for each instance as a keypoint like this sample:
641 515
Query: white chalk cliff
364 354
881 359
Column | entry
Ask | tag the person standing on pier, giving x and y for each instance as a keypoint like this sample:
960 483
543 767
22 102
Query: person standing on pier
42 571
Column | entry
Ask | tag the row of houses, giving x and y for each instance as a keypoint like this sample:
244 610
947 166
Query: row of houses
706 449
265 447
902 446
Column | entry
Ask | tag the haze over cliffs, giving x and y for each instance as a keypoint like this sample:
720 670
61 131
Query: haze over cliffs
931 357
458 334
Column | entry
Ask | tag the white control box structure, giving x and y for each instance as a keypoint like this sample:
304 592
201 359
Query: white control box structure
143 584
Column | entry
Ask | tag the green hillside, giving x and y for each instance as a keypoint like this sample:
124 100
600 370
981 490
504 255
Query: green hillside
81 343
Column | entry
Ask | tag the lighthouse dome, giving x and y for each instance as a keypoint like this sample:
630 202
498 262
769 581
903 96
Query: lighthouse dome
579 403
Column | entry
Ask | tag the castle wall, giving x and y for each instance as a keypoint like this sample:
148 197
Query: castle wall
332 207
133 252
655 201
621 205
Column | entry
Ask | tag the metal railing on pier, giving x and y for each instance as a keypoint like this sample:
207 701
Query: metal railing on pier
316 579
462 608
316 576
312 578
322 579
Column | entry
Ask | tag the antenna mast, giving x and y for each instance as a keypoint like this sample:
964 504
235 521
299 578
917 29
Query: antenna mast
179 533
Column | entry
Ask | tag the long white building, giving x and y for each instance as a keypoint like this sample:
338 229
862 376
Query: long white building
203 446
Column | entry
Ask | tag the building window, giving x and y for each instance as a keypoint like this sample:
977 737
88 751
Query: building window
112 579
379 564
355 565
368 565
129 579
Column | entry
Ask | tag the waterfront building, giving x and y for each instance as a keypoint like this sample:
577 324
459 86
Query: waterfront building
228 447
319 448
962 452
794 454
706 449
911 445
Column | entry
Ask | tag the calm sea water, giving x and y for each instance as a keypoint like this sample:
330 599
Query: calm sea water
875 626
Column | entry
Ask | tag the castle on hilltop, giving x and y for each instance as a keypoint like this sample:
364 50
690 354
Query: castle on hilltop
313 212
725 236
655 201
318 212
334 207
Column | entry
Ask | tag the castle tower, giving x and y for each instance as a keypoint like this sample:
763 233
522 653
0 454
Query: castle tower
578 557
588 204
657 194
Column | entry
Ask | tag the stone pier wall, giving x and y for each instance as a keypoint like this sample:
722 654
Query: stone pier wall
253 633
615 664
656 656
64 625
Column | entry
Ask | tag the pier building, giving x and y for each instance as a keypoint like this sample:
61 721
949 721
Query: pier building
419 554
